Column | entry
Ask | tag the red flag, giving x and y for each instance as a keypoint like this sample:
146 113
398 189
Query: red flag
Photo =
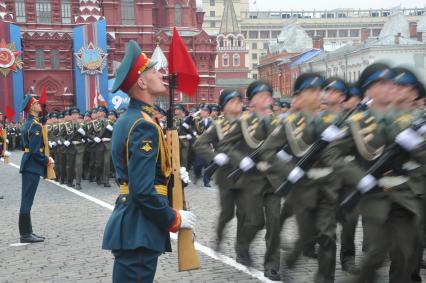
9 112
180 62
43 96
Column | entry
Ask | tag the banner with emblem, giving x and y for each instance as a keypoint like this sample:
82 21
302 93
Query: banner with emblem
91 65
11 74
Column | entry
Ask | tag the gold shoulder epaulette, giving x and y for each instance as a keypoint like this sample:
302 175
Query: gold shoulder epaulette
328 118
291 117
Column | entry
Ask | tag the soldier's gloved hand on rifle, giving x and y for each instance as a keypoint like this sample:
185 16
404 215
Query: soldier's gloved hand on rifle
109 128
366 184
246 164
409 139
97 140
295 175
188 219
50 144
7 141
67 143
330 134
59 142
284 156
188 137
221 159
81 131
53 143
184 175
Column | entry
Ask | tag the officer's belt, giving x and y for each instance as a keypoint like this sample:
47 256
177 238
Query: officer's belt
106 139
161 189
27 150
392 181
76 142
316 173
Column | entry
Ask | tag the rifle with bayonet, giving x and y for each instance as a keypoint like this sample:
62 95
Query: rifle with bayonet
308 160
378 169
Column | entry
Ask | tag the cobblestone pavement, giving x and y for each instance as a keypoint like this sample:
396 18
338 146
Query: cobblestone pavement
73 226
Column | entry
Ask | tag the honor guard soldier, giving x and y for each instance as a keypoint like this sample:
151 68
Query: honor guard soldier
88 143
112 118
78 141
138 229
183 124
33 165
201 125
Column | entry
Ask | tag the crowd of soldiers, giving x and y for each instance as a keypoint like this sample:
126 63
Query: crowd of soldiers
13 131
339 152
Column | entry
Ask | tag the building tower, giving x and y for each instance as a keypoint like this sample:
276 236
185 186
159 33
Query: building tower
5 15
231 70
90 11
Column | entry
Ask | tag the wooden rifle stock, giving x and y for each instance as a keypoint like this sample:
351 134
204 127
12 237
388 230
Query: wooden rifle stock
307 161
377 169
187 255
50 172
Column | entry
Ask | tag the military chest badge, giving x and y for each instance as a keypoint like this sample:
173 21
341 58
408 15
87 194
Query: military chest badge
91 59
9 58
146 146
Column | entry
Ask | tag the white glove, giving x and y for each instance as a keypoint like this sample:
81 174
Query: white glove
7 141
109 128
81 131
295 175
67 143
184 175
59 142
366 183
188 219
51 161
53 143
1 159
330 134
221 159
284 156
50 144
7 154
246 164
188 137
97 140
409 139
83 140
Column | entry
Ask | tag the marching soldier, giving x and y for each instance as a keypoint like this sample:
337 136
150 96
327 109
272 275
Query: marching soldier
215 112
201 124
107 126
100 144
93 144
53 131
138 229
183 125
69 149
209 146
112 118
78 141
61 152
88 144
33 165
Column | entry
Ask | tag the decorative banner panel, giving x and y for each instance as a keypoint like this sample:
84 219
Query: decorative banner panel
11 74
90 64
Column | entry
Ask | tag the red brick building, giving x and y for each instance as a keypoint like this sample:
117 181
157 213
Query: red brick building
47 31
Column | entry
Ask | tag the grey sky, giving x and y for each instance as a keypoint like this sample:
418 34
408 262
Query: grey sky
332 4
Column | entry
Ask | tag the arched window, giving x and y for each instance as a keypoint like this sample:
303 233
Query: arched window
236 60
225 60
66 11
178 15
128 12
20 11
220 41
39 59
54 59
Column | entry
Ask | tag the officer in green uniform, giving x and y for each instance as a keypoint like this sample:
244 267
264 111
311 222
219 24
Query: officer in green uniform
209 146
33 165
138 229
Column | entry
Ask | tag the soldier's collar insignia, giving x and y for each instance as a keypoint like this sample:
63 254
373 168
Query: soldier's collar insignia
146 146
148 109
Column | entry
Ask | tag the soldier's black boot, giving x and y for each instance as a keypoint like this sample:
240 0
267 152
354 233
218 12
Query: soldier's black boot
31 225
244 259
272 274
78 187
25 230
107 185
349 266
